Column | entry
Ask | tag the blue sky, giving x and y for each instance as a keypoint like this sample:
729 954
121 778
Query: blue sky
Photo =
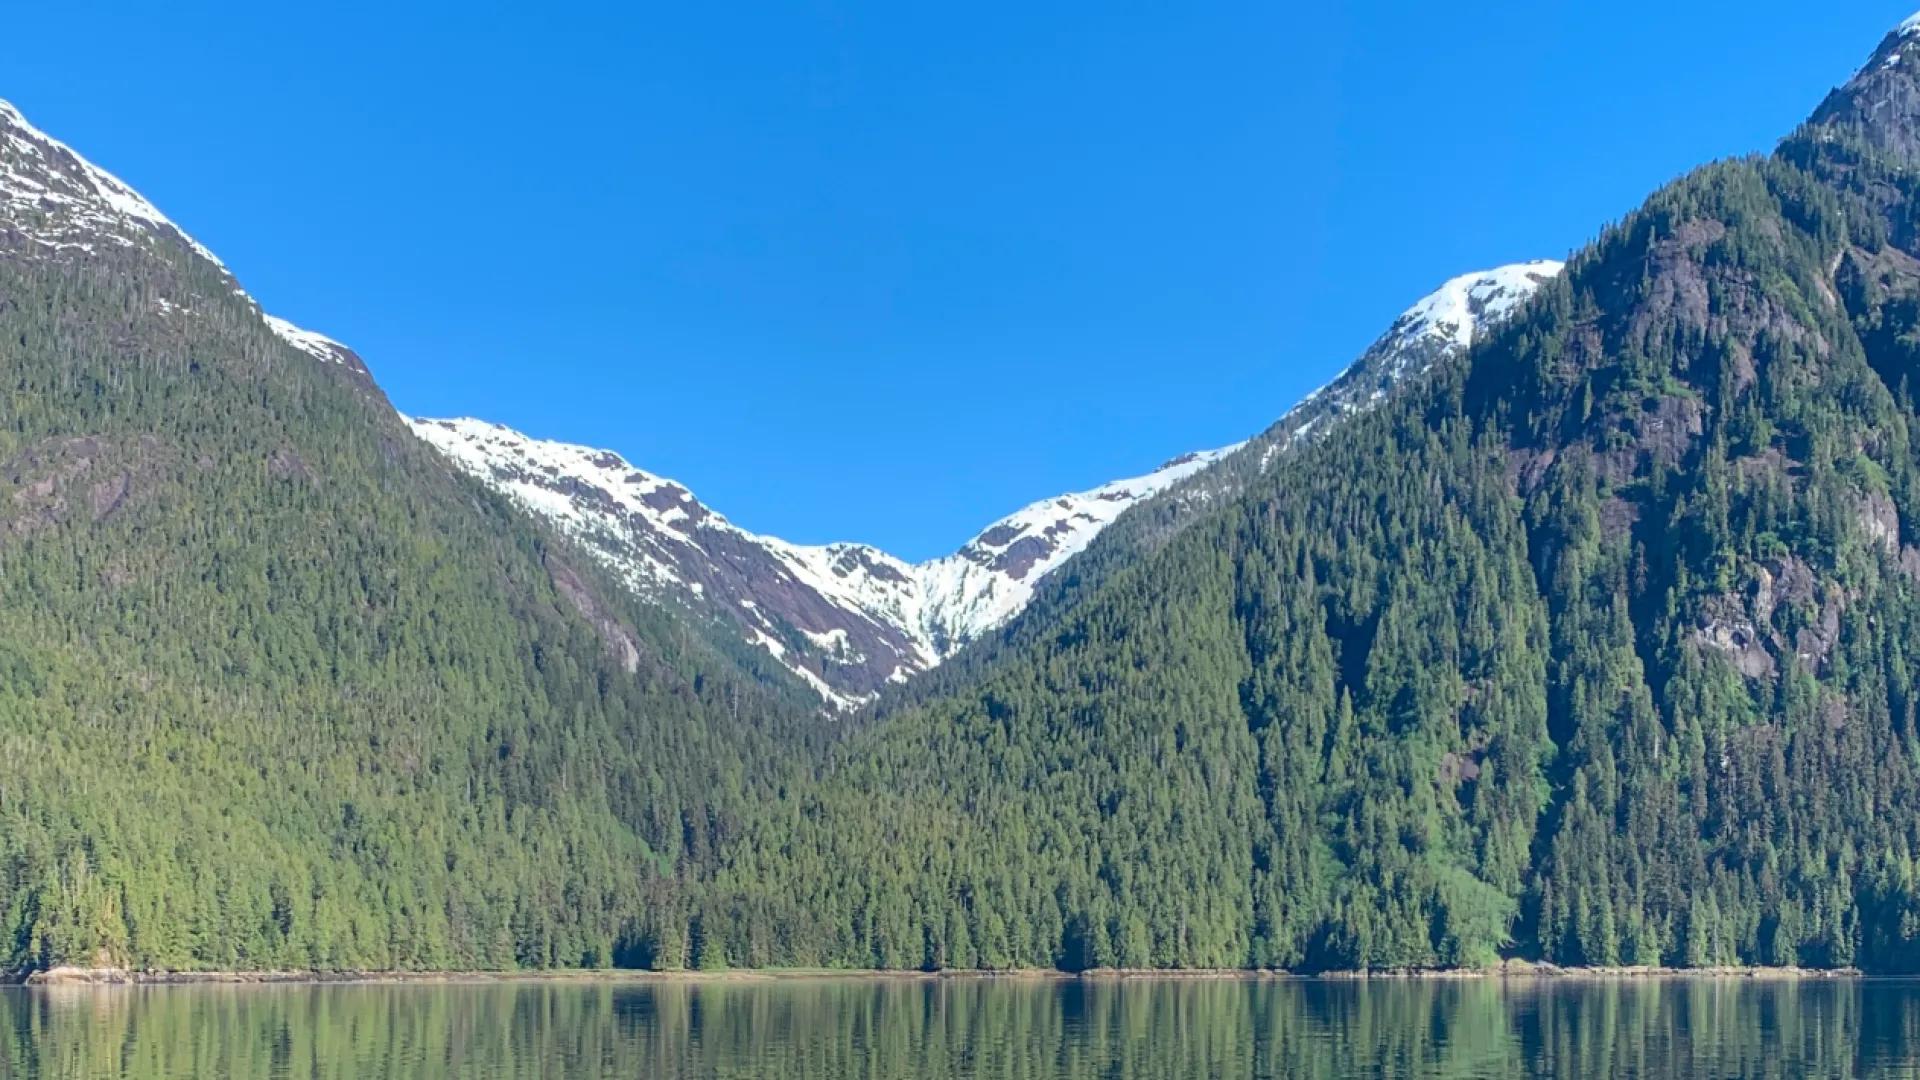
885 271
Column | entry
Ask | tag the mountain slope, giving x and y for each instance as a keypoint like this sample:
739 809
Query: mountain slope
1596 647
278 688
848 618
1440 327
852 620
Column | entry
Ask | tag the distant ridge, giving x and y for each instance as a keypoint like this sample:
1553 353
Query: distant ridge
850 619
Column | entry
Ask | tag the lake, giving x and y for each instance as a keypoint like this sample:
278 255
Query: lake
965 1028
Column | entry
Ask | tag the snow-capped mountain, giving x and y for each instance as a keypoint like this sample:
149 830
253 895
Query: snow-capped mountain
52 197
846 618
56 204
992 578
1445 323
1442 325
849 618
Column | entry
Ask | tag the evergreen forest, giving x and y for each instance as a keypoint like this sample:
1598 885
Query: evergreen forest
1599 645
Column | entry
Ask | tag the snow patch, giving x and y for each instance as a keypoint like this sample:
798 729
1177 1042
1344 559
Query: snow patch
646 527
318 346
70 181
1457 308
993 578
655 534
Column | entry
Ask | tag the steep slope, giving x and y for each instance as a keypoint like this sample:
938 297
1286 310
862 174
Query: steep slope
1440 327
1598 646
847 618
851 619
278 688
58 202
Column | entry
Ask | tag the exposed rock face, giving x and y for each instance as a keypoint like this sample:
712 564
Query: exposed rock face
1786 614
85 477
620 640
78 976
55 204
846 618
1725 628
1880 521
850 619
1882 102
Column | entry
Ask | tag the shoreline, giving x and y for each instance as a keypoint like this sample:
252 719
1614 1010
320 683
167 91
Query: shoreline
1506 971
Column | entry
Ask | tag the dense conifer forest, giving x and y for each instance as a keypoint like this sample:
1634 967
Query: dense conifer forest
278 691
1595 647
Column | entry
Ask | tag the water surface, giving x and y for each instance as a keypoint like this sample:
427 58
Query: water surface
1010 1030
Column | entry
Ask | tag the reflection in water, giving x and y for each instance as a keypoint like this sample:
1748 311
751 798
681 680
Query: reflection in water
1004 1029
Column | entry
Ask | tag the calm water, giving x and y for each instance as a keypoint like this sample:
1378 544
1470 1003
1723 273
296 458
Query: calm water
869 1031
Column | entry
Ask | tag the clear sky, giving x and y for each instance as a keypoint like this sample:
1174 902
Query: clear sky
883 271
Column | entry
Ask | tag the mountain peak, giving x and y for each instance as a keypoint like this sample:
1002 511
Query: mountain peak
849 619
1443 324
64 201
1459 308
64 206
1881 103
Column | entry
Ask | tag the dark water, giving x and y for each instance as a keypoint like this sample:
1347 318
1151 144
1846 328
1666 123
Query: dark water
852 1030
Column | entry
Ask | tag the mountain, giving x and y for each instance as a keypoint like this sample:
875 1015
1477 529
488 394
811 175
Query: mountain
1879 105
1596 643
1594 646
1440 327
278 688
847 618
850 619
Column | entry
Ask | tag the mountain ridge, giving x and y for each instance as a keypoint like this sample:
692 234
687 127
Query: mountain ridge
852 620
1594 642
1597 647
863 610
848 619
1419 342
278 688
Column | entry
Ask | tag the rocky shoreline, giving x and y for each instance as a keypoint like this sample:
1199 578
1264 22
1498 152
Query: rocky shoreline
67 976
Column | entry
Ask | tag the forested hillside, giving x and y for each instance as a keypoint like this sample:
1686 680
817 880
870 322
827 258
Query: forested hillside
276 689
1595 644
1595 647
1440 327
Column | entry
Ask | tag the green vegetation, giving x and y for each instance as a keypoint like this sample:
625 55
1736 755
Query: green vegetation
1596 648
277 691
